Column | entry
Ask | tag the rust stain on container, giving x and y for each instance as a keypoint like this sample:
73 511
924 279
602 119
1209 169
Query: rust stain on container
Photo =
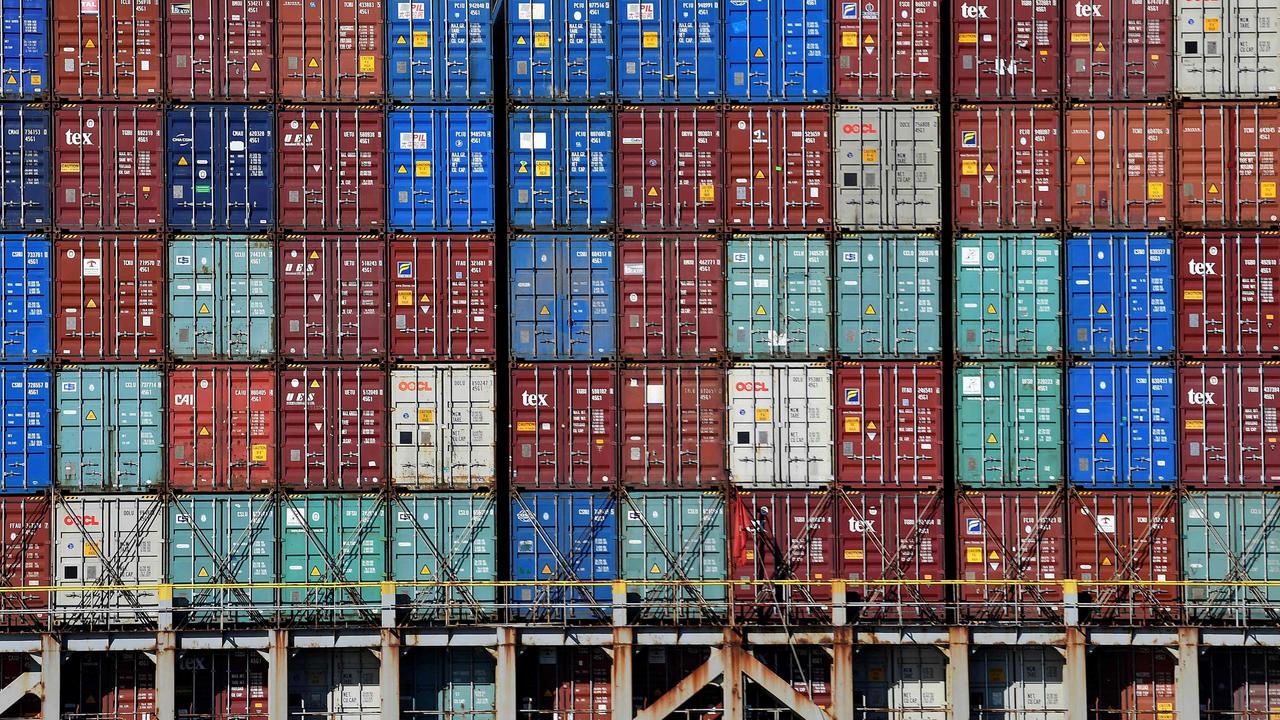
671 418
110 296
1007 167
778 168
671 297
1120 167
669 168
331 168
109 167
1227 164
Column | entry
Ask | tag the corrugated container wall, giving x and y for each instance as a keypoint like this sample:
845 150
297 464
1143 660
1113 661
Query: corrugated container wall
1012 537
446 538
27 316
221 50
1118 50
1006 50
567 682
110 296
222 428
671 297
1122 424
222 685
777 51
334 684
330 50
441 171
1018 682
889 425
110 167
108 49
563 298
331 168
332 427
560 50
560 169
1120 294
458 680
888 167
1126 537
333 297
670 168
671 422
1007 167
443 294
333 548
888 296
218 540
24 57
563 538
114 686
439 51
674 537
1135 682
888 679
891 536
563 426
444 426
1230 537
1229 306
26 556
221 297
110 428
1008 296
1120 167
107 540
1228 164
1230 433
780 425
669 50
888 50
1240 681
1008 427
26 162
1226 49
221 165
28 427
779 296
778 166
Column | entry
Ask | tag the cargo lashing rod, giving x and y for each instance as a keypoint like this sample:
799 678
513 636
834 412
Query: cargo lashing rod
1110 595
1239 571
563 562
335 564
9 571
896 567
780 595
224 569
1015 560
447 569
673 560
135 539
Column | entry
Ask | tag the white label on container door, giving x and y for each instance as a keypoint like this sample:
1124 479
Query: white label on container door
88 7
413 141
204 287
531 11
182 261
633 268
236 146
295 518
639 11
1107 524
739 257
533 141
411 11
91 267
971 385
654 395
970 256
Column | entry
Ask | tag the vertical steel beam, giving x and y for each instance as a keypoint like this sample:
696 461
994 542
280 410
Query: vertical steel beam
389 675
51 677
278 675
731 652
1075 675
1186 678
166 674
958 673
623 640
506 674
842 673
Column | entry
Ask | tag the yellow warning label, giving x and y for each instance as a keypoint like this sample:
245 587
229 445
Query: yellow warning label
522 168
424 299
761 311
91 415
204 432
542 39
1103 439
763 414
855 555
69 167
91 304
759 175
35 79
751 554
90 550
255 68
871 310
849 39
315 571
204 309
706 192
542 168
871 425
546 569
987 168
421 39
1102 309
544 310
1099 48
1078 37
182 161
89 44
1213 189
655 570
425 570
759 53
258 453
968 39
11 81
1193 424
1192 294
853 424
315 383
314 255
313 63
869 40
404 297
1106 562
1079 159
994 555
991 439
426 415
368 64
1155 190
422 168
653 192
526 426
973 554
870 155
995 675
400 40
402 170
649 39
968 167
1267 190
1212 24
203 573
991 309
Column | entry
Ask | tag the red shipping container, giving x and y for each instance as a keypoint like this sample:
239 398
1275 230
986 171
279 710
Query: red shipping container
672 423
221 49
1126 536
333 427
784 535
1015 540
107 50
563 426
888 50
1228 164
1134 683
778 167
26 554
444 297
330 49
1006 50
1230 430
109 164
1119 49
221 685
1120 167
332 294
1007 165
109 686
671 297
331 168
889 420
222 428
1227 303
110 297
896 536
567 682
669 169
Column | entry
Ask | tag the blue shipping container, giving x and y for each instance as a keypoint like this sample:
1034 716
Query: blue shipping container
669 50
1120 294
560 49
110 428
563 298
1122 424
27 323
440 50
561 168
221 297
28 429
26 156
221 167
564 538
778 52
441 169
24 48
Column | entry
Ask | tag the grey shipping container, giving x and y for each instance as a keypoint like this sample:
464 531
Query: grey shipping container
1228 49
780 425
1017 683
107 540
334 685
888 167
892 682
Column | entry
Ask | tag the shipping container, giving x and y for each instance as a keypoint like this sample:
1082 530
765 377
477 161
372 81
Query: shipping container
888 296
439 51
777 52
441 171
330 50
779 296
1229 305
1120 294
222 428
110 295
216 541
12 667
1230 433
1008 296
448 682
25 332
451 539
1012 544
1007 167
222 297
888 51
110 165
669 51
1018 681
806 669
109 686
1120 166
674 537
445 297
340 684
560 50
778 166
1226 49
24 51
333 551
333 297
1006 50
671 297
560 169
889 425
563 426
331 167
563 298
1229 164
108 49
890 681
1122 424
658 669
332 427
573 683
559 539
780 425
1118 50
107 540
26 459
444 426
887 537
1230 537
110 433
669 166
1008 425
888 167
221 50
26 558
26 162
1132 683
1239 683
671 422
1126 537
222 164
221 685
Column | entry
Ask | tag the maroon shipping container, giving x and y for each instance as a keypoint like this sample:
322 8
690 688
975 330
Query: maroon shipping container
1007 165
806 668
1133 683
221 686
109 686
1119 49
221 49
1228 164
1228 303
331 168
1014 540
1239 683
26 554
778 167
1120 167
669 168
1126 536
566 682
222 428
107 50
109 165
671 297
889 420
444 297
888 50
330 49
672 422
333 427
1230 429
332 297
1006 50
110 297
563 426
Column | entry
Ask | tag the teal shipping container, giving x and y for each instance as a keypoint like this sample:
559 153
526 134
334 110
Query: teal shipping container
110 428
222 297
674 537
1009 426
456 682
888 296
331 538
1231 536
779 296
222 540
445 538
1008 296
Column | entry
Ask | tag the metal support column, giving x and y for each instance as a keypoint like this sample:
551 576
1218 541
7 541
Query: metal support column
166 674
958 673
842 672
506 674
51 677
1186 678
389 675
1075 675
278 675
731 652
623 640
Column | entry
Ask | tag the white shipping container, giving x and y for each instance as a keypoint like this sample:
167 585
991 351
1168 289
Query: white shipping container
108 540
1228 49
888 167
334 685
443 426
907 682
780 425
1017 683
